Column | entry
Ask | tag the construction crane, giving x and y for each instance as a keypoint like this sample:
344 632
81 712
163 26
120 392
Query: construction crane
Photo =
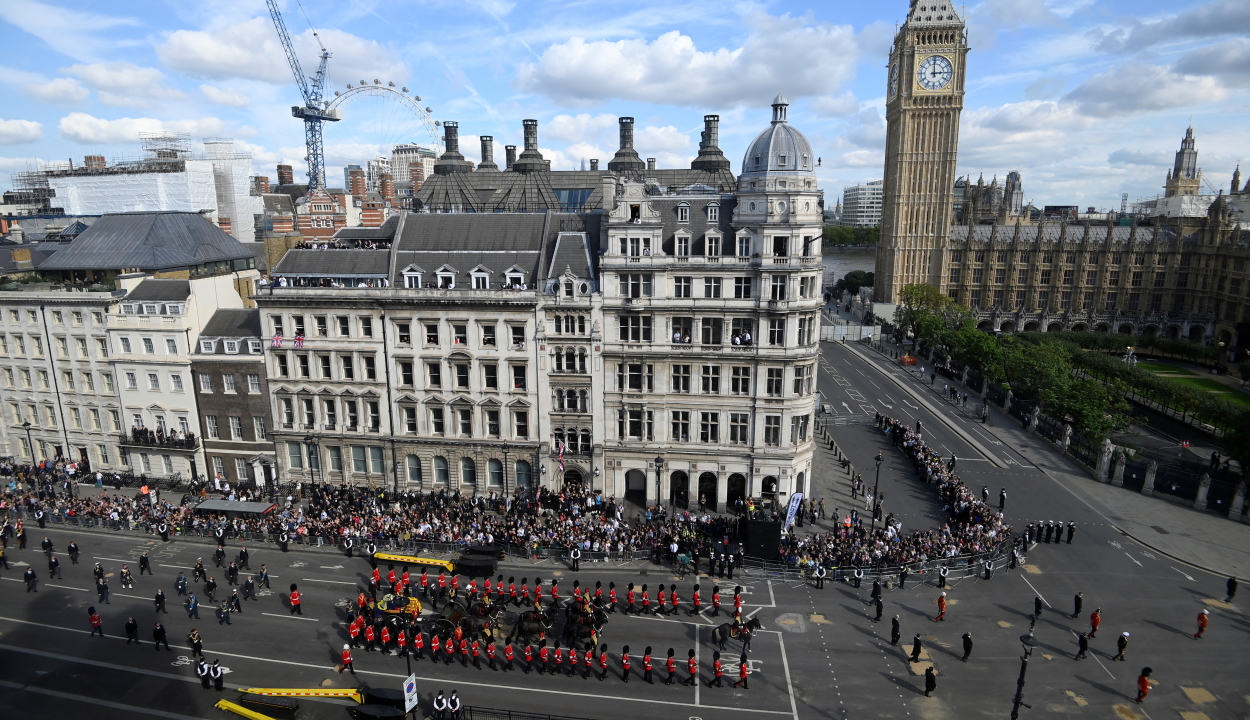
314 111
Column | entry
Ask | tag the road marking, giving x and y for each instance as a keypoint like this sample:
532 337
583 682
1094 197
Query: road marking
698 642
136 597
124 562
67 587
1130 557
339 582
913 407
1104 667
785 663
1026 581
94 701
1187 577
111 666
292 617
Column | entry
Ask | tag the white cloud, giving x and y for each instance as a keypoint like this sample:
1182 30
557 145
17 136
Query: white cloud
1214 19
1229 61
1027 117
88 129
251 50
80 35
836 105
1136 87
1153 157
796 55
667 139
125 84
573 128
15 132
59 91
225 96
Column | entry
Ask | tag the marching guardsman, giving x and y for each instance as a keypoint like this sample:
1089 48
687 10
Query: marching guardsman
386 640
418 642
508 655
662 598
145 564
296 607
559 654
346 657
353 630
692 666
646 601
544 656
499 591
486 587
529 658
436 643
470 591
589 659
629 598
716 600
603 662
1203 621
198 573
744 669
694 601
538 594
371 637
738 600
625 663
525 591
490 654
424 582
476 649
598 591
512 594
464 651
573 659
612 597
672 598
670 664
401 642
376 577
718 670
647 666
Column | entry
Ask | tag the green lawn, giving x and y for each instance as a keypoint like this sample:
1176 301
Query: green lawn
1231 394
1158 368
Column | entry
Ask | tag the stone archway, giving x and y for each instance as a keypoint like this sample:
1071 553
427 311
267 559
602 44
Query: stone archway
1008 327
1080 327
1032 326
1102 328
1174 332
737 490
707 491
1196 333
985 325
636 487
573 478
1150 331
1226 338
1125 329
679 489
768 491
1054 327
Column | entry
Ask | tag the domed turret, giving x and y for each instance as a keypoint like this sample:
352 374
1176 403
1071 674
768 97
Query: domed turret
780 149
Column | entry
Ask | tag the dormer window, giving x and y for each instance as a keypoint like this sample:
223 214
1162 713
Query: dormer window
173 309
207 346
683 213
446 280
232 347
129 309
151 309
781 159
514 280
412 277
682 243
757 164
713 212
253 346
480 278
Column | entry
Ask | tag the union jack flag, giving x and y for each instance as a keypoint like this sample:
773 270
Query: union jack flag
299 341
277 341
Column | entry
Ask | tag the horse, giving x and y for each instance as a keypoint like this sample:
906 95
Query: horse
724 631
525 630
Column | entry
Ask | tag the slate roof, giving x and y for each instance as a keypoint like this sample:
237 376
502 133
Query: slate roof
698 226
148 241
1057 232
572 250
233 323
278 203
334 263
153 290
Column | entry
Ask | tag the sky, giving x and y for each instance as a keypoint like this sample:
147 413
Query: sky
1087 99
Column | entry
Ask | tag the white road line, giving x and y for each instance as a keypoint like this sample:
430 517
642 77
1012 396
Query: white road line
124 562
1104 667
292 617
67 587
13 579
338 582
752 613
698 642
1026 582
1187 577
94 701
1130 557
785 663
401 676
136 597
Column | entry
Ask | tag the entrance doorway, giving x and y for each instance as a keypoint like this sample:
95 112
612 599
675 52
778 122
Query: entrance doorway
707 492
636 488
736 490
573 479
679 489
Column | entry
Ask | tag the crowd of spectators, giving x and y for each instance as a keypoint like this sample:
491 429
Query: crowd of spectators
971 526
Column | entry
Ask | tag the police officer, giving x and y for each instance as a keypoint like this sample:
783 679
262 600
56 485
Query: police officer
576 556
820 577
284 541
453 705
219 534
201 671
440 705
942 573
347 545
218 675
858 574
371 549
39 516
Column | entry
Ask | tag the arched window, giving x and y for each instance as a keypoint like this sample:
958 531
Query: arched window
559 399
568 359
441 474
414 469
494 473
581 360
468 471
522 474
581 324
558 357
586 444
559 437
558 326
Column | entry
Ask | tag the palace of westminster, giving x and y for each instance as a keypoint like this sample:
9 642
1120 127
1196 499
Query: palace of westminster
649 333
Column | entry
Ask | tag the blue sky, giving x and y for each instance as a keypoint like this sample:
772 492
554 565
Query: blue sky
1087 99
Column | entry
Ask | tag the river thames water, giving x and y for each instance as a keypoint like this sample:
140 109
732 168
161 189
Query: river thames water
840 262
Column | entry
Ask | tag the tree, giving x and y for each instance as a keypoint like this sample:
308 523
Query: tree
856 279
918 303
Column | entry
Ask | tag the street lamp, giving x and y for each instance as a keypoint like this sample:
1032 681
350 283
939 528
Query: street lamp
313 452
1027 642
659 465
877 484
30 444
506 448
1129 358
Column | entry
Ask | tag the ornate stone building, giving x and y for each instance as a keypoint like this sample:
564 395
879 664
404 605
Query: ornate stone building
924 100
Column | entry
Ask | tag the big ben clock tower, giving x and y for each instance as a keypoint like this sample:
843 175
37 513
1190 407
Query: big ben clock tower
925 94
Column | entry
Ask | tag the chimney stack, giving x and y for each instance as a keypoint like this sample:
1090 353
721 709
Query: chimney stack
224 224
650 163
416 173
285 175
594 164
451 135
710 158
452 161
530 160
260 183
488 155
386 186
94 162
626 158
356 183
509 155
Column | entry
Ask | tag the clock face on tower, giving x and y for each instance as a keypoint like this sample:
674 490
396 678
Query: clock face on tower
935 73
894 80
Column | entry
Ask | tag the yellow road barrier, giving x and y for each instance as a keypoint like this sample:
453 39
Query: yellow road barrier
306 692
240 710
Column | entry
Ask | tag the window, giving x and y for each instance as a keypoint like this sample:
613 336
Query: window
302 362
349 370
258 426
807 330
464 420
359 463
518 335
75 418
462 375
284 368
323 362
1113 278
108 382
68 379
125 345
682 287
635 328
375 416
436 421
803 379
154 381
798 429
210 427
459 334
522 420
488 335
740 380
518 377
773 382
776 332
681 378
441 474
490 376
468 471
772 430
636 285
680 425
779 287
414 469
366 327
1160 277
95 419
711 287
492 423
353 417
102 347
713 212
742 287
331 413
345 325
371 369
253 382
175 379
738 423
405 373
81 343
319 322
683 245
713 331
710 379
310 415
954 276
228 383
709 427
683 213
712 244
431 334
236 428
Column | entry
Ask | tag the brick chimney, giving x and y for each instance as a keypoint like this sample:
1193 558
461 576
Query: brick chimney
594 165
94 162
356 183
386 186
260 184
285 175
283 223
225 225
416 172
